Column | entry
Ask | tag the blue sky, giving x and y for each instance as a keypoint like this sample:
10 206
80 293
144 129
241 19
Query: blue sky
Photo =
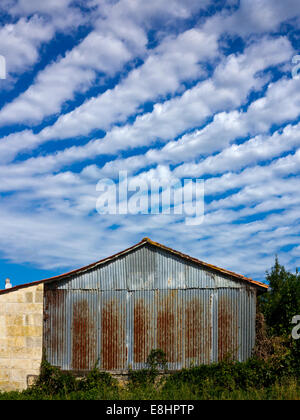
162 90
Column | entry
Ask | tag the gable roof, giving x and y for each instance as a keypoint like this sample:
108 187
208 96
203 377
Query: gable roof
144 241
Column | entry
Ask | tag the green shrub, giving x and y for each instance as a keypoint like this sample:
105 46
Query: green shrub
52 381
96 380
144 377
157 359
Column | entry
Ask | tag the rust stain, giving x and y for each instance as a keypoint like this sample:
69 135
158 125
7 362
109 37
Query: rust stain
112 336
227 330
197 331
209 329
141 328
169 327
193 329
83 337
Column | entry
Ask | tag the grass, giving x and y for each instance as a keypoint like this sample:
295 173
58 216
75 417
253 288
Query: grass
289 389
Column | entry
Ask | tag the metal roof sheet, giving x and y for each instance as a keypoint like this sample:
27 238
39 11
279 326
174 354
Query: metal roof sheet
144 241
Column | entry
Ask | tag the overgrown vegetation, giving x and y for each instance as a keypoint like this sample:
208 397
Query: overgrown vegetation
272 373
276 309
156 362
227 380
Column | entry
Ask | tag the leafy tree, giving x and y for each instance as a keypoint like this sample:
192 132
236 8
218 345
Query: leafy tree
282 301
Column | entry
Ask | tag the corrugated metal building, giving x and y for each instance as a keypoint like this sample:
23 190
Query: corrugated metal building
114 312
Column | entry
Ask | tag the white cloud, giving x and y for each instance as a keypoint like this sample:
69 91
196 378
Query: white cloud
63 14
169 119
175 60
236 157
201 119
62 79
20 42
118 36
33 24
255 17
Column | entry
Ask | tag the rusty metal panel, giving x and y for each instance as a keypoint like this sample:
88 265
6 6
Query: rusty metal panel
113 355
70 329
247 322
228 333
233 323
141 327
115 314
118 329
177 321
84 330
198 327
55 309
170 326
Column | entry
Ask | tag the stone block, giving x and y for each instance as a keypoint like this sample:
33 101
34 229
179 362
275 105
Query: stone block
28 297
39 297
5 374
16 341
34 342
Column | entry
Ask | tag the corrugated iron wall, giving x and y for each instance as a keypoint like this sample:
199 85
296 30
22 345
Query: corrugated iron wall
114 315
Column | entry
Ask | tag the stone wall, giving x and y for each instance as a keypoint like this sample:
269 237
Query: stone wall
21 331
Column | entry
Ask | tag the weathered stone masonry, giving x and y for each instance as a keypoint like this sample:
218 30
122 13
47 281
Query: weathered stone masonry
21 331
